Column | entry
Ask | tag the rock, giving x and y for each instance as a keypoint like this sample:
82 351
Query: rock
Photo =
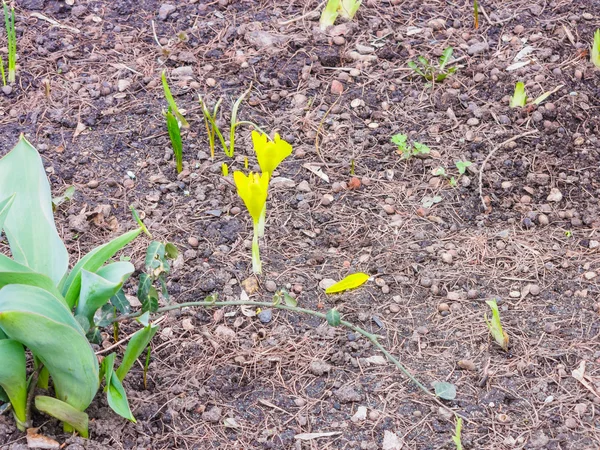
211 82
445 413
213 415
478 47
590 275
337 87
391 441
539 441
225 333
326 282
466 364
426 282
555 195
187 324
78 10
394 308
7 90
571 423
193 241
319 367
304 186
472 294
183 72
166 9
447 258
360 414
443 307
265 316
374 415
123 85
347 394
594 244
543 219
534 289
327 199
93 184
250 285
263 39
281 182
437 24
300 402
271 286
190 254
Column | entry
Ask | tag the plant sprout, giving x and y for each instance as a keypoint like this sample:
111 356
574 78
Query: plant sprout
171 102
519 98
329 14
405 150
175 135
457 433
349 8
427 70
495 326
253 190
475 14
9 22
462 166
595 54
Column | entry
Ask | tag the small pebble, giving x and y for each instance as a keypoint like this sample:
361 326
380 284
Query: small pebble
534 289
443 307
265 316
193 241
472 294
447 258
394 308
128 183
271 286
93 184
327 199
426 282
466 364
211 82
337 87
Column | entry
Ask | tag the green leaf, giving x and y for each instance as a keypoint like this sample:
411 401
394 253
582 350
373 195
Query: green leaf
545 95
147 293
171 101
399 140
135 347
120 302
175 135
29 225
421 149
13 378
333 317
595 53
329 14
105 316
137 219
457 432
97 288
413 66
234 122
67 196
12 272
154 255
495 326
349 8
445 390
63 412
462 166
144 319
519 98
439 172
92 262
58 340
350 282
289 300
445 58
115 393
171 251
4 209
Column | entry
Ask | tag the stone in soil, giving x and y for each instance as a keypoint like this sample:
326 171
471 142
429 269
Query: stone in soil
271 286
213 415
319 367
166 10
347 394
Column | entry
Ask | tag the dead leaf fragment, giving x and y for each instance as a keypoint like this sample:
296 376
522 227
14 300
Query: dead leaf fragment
311 436
250 285
35 440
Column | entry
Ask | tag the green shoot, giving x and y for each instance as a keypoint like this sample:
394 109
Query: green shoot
595 55
234 122
458 429
420 149
519 98
545 95
405 150
329 14
476 14
2 72
224 169
495 326
439 172
171 102
427 69
147 363
116 328
11 35
462 166
175 135
352 167
349 8
453 182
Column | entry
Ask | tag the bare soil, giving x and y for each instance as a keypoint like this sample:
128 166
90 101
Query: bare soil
88 95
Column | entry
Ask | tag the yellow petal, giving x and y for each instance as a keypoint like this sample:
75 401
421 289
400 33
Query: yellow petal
270 154
253 191
350 282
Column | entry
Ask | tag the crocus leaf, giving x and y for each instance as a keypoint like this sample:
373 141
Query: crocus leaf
350 282
595 53
495 326
329 14
63 412
175 136
115 393
349 8
171 101
445 390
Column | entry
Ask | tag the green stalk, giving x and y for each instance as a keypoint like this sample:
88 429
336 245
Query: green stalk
175 135
234 122
9 22
256 264
146 364
2 71
262 221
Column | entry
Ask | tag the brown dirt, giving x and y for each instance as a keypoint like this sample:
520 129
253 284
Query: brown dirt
262 375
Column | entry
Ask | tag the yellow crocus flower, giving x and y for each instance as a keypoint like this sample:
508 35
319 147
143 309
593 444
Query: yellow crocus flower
270 153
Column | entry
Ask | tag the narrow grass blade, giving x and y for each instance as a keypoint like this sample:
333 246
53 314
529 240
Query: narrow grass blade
175 135
171 101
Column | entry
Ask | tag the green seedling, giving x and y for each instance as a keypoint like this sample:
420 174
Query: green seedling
519 98
457 432
171 101
405 150
595 54
334 8
11 36
428 202
428 70
495 326
175 136
157 267
349 8
66 197
475 14
224 169
47 309
462 166
146 365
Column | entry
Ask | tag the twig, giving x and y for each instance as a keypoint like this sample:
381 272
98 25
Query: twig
155 36
321 126
55 23
313 12
487 158
371 337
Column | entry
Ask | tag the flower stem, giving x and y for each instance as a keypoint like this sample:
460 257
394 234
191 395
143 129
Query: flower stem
262 221
256 264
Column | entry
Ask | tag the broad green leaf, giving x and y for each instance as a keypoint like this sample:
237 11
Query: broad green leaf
329 14
119 301
349 8
413 66
519 98
333 317
12 272
144 319
67 196
97 288
175 136
350 282
147 293
495 326
462 166
46 326
445 390
135 347
92 262
63 412
154 255
115 393
13 378
399 140
29 226
171 251
171 101
421 149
